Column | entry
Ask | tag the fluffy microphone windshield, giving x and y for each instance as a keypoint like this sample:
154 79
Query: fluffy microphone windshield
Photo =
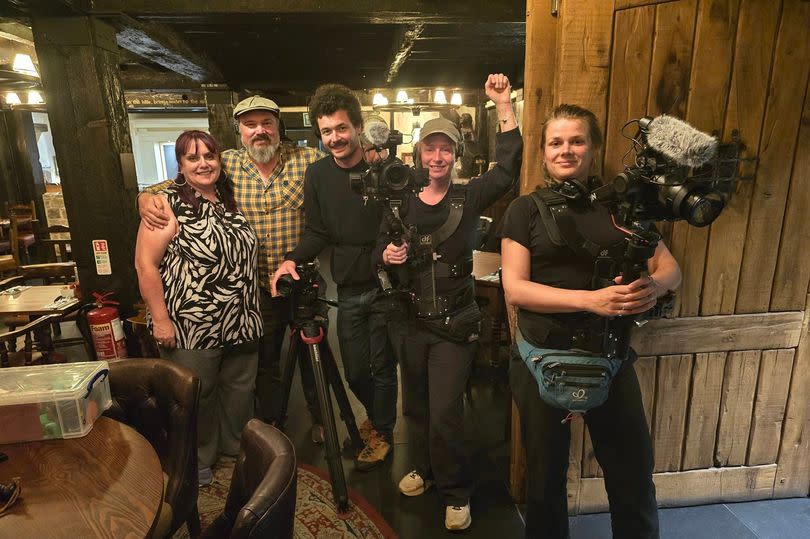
680 142
377 132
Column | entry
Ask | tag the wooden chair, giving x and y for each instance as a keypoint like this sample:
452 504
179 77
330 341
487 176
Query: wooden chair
35 349
5 242
22 236
65 251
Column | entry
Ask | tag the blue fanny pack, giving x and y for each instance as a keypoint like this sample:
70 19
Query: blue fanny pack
573 380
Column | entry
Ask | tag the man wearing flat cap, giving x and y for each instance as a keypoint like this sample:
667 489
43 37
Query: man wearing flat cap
268 181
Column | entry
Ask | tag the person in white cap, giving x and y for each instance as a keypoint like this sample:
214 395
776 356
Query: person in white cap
438 342
268 182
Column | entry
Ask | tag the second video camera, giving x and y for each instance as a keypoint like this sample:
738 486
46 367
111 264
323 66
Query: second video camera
389 175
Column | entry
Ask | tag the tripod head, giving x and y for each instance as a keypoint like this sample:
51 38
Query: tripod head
305 303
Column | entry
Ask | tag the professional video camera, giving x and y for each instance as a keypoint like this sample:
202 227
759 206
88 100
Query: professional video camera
657 186
389 176
286 286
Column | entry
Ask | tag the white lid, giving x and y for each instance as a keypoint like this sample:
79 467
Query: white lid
21 385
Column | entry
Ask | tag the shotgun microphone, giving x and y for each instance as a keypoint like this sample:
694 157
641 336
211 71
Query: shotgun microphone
678 141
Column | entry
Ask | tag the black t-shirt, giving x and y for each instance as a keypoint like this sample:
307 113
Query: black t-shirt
336 215
557 266
481 193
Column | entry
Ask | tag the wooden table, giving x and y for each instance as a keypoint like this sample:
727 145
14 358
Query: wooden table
36 300
488 286
106 484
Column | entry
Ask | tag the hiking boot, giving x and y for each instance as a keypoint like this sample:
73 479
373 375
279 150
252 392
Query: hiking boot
374 453
205 477
413 484
457 517
365 429
317 433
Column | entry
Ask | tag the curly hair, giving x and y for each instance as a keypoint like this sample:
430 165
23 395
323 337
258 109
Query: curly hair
330 98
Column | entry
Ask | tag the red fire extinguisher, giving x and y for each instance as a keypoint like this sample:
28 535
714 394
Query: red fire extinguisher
106 328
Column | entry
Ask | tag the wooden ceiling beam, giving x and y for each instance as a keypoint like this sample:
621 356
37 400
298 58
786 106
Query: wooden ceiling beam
163 46
371 11
143 79
402 49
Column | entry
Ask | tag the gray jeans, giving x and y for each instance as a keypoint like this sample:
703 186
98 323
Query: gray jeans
227 378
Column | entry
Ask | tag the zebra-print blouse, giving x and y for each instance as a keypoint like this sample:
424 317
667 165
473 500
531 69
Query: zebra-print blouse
209 276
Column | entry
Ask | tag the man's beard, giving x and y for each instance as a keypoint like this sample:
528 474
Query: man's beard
262 154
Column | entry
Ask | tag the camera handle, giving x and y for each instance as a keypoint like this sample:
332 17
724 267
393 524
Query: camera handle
641 243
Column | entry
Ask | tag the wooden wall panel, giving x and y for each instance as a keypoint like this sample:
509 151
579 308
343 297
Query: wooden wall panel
629 82
671 65
708 94
793 475
753 56
704 411
583 63
718 333
793 264
538 87
769 407
674 375
739 385
779 134
676 489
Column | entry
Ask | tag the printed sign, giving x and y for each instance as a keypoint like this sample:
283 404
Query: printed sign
102 256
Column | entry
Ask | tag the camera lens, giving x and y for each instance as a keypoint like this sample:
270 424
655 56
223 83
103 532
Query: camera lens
701 209
285 285
396 176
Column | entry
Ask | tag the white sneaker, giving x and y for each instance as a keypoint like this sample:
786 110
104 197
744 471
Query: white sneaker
413 484
457 518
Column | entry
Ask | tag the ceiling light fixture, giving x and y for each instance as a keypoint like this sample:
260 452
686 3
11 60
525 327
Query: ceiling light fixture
455 99
13 99
379 99
439 97
402 96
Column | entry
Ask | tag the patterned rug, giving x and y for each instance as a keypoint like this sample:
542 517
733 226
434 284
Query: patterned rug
315 515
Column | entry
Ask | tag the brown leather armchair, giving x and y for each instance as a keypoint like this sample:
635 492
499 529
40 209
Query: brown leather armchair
160 399
261 500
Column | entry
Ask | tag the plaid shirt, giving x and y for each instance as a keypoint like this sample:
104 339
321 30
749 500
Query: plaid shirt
275 211
274 208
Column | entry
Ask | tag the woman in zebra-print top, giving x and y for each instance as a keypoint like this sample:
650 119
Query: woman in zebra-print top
198 277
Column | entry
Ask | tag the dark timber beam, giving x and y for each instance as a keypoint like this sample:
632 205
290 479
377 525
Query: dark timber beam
402 48
220 100
78 59
373 11
162 45
142 79
143 100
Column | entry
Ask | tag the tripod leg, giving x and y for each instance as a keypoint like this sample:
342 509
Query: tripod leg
339 489
287 372
336 381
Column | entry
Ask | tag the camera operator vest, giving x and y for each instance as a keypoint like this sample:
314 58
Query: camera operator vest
425 266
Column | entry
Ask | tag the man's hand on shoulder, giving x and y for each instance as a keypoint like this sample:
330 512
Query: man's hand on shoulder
154 210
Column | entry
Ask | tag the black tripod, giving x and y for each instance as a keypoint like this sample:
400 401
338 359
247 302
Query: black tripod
309 328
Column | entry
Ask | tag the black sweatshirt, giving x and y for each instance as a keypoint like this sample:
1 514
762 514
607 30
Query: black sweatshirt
482 192
336 215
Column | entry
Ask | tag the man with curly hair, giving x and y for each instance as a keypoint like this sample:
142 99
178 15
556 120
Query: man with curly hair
337 216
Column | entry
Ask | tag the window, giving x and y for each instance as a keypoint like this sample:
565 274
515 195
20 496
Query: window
166 161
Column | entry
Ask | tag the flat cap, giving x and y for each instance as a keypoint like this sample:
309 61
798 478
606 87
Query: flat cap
255 102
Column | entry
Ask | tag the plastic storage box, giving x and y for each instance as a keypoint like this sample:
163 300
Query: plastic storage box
52 401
